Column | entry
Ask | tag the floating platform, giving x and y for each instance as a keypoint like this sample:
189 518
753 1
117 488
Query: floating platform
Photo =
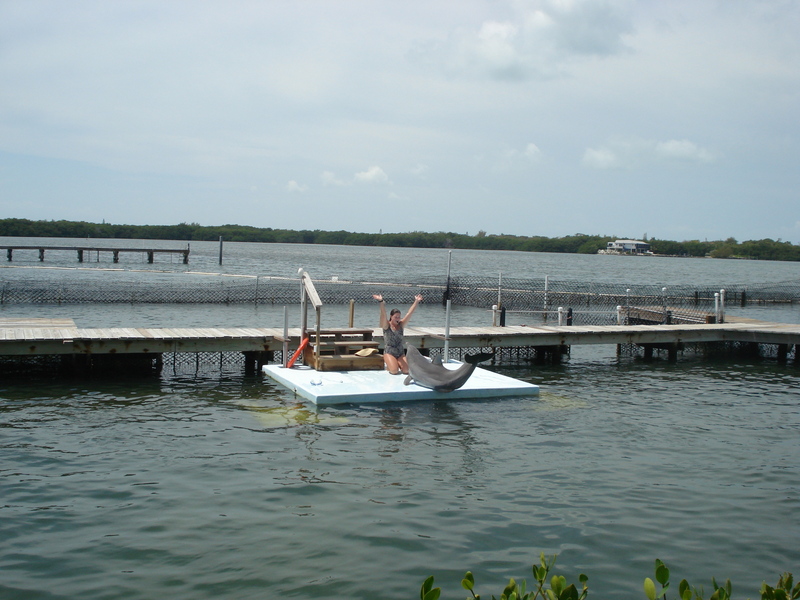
342 387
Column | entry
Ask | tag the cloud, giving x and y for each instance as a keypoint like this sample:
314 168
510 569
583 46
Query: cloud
587 27
601 158
419 170
539 40
329 178
293 186
682 150
532 153
514 159
633 152
372 175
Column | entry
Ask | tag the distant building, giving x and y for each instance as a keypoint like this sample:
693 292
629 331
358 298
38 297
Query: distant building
627 247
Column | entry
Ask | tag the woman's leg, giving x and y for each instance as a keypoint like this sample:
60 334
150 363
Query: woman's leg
403 364
392 364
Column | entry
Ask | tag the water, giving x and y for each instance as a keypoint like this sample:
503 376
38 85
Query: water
221 485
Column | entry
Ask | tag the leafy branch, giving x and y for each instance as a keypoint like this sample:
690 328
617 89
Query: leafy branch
783 590
555 587
558 588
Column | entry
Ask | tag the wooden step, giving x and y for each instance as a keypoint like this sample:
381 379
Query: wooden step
346 343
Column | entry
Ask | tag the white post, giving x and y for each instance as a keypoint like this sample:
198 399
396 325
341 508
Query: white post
449 260
560 316
619 315
546 287
722 306
446 357
716 306
499 287
285 336
628 304
303 305
494 315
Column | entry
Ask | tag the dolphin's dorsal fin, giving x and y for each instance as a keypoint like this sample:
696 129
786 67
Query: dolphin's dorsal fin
408 380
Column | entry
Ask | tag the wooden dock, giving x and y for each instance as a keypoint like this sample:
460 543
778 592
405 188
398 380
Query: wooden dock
88 250
60 337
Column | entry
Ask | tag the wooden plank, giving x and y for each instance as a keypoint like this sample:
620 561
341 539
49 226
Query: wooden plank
182 334
36 322
249 332
240 333
311 291
132 333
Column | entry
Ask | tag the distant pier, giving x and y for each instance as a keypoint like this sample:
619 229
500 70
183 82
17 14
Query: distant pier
84 251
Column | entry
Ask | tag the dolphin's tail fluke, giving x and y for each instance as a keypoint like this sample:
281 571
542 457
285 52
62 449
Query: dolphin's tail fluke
474 359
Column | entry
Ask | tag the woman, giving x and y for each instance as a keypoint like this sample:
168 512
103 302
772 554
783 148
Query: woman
392 326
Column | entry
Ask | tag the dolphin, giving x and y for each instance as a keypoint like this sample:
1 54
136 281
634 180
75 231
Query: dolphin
434 375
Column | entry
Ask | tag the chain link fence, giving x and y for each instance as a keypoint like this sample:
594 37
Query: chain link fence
585 303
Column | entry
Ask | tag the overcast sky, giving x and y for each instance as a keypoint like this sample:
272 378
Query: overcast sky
675 119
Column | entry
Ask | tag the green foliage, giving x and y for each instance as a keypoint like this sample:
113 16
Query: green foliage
579 243
783 590
428 592
558 590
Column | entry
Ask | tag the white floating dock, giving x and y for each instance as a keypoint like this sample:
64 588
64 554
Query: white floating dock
341 387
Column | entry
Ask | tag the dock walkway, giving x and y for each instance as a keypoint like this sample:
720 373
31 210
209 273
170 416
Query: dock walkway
36 337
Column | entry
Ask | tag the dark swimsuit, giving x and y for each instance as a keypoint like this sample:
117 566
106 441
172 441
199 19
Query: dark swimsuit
393 341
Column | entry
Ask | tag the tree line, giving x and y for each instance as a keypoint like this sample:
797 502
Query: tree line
578 243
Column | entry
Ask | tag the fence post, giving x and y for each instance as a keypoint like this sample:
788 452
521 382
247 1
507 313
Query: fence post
722 306
546 288
664 301
499 287
560 316
619 315
716 306
628 304
285 336
446 297
446 358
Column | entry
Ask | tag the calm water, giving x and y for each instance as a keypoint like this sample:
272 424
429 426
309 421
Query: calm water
225 486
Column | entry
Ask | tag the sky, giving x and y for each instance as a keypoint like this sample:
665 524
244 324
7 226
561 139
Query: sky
675 120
